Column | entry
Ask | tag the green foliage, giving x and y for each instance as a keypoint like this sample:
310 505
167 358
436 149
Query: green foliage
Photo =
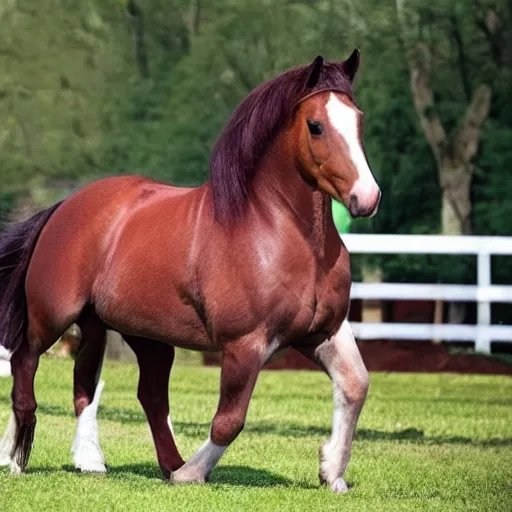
53 80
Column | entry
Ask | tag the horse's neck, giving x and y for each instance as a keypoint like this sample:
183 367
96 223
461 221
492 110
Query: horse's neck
321 203
282 190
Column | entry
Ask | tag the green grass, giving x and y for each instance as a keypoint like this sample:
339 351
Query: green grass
425 442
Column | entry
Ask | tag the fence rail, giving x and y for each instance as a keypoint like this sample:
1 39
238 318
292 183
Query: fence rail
484 293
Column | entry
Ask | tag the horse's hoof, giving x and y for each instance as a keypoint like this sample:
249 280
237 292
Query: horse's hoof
16 469
339 485
187 477
92 467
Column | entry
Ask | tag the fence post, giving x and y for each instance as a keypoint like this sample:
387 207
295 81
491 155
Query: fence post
483 342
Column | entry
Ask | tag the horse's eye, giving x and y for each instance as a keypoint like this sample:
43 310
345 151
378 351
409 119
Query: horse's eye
315 127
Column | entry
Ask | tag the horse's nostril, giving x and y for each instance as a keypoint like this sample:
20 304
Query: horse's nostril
352 204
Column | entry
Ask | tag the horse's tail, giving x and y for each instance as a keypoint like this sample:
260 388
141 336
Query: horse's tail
17 244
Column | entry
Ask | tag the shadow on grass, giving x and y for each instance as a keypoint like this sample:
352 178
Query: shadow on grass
409 435
231 475
415 436
144 469
475 401
250 477
194 429
225 475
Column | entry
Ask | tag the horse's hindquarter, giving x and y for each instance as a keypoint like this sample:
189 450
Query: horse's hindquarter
71 248
116 244
148 285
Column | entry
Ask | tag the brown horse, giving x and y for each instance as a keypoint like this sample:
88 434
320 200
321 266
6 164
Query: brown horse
248 263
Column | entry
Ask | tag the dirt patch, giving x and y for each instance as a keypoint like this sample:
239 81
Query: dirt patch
394 356
400 356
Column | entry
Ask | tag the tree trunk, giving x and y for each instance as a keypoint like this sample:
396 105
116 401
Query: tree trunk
453 153
137 21
455 217
371 309
456 200
195 17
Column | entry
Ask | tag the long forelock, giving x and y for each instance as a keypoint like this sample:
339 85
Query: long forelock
251 129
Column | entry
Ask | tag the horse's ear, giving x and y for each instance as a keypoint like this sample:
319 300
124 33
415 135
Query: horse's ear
351 65
315 72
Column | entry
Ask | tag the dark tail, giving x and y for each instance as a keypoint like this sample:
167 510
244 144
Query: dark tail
17 244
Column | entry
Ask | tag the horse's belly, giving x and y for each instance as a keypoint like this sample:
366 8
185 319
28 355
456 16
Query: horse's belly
148 308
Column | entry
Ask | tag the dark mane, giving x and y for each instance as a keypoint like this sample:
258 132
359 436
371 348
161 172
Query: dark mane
252 127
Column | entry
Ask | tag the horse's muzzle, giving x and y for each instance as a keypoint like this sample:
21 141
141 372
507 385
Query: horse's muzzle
366 207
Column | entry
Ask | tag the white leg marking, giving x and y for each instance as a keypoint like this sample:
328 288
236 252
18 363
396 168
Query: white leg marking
5 368
7 442
5 354
199 466
7 445
5 365
349 390
87 454
334 450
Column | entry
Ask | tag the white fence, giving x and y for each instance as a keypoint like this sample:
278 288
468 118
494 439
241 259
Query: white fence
483 293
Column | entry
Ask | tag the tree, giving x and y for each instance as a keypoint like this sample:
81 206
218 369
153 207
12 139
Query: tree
425 29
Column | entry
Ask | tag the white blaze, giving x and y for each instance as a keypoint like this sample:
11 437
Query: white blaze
344 119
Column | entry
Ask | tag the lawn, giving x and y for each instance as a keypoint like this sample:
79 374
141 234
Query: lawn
425 442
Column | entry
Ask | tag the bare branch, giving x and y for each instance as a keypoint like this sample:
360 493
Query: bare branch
490 25
468 138
420 69
459 43
195 16
137 21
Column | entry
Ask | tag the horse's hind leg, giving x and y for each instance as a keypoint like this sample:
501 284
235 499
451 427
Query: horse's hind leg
42 332
22 424
87 454
155 362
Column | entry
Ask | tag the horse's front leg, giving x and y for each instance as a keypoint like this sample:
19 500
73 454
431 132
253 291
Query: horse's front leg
241 364
341 359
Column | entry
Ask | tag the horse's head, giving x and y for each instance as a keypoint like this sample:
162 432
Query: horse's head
328 127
